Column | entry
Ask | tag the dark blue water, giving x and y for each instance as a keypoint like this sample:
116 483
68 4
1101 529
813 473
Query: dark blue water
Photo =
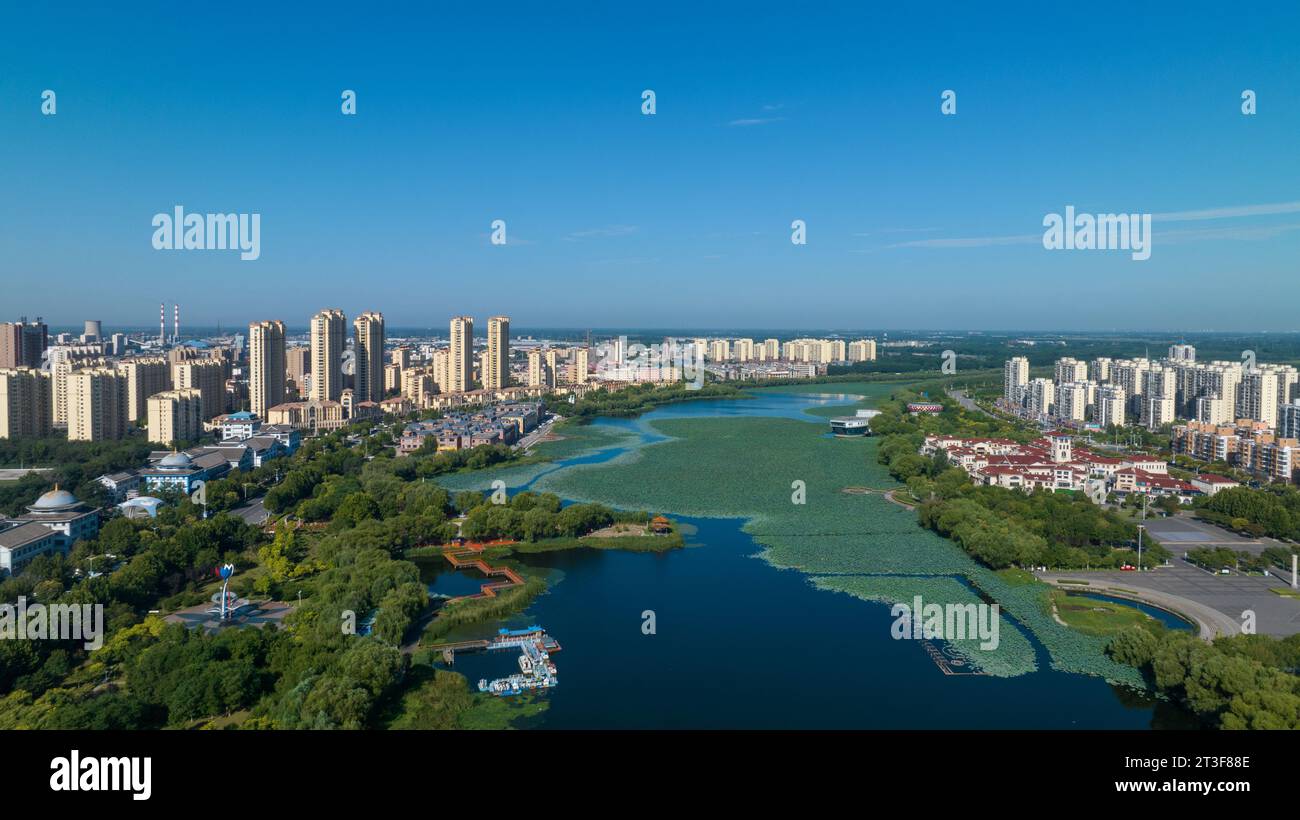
741 644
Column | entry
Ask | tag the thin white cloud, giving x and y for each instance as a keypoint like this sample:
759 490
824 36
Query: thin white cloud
601 233
751 121
1230 212
627 260
1239 234
971 241
895 230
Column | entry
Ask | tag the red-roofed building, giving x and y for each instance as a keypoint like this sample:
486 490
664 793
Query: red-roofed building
1209 483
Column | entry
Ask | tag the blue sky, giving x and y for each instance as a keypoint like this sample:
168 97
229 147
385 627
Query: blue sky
765 113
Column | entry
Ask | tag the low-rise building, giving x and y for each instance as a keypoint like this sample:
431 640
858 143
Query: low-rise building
53 524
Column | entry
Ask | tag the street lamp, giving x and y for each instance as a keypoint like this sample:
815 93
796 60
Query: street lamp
1140 528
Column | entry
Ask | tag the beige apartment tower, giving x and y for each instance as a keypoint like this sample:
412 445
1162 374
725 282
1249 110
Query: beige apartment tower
460 366
541 371
580 365
863 350
368 338
174 416
496 370
96 405
328 329
298 369
25 398
144 377
267 368
208 376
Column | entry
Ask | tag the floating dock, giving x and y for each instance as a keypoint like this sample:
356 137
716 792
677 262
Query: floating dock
536 669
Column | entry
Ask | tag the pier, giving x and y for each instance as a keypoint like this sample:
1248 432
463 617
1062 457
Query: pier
536 670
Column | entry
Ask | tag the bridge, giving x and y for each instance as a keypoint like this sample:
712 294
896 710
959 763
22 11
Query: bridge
466 555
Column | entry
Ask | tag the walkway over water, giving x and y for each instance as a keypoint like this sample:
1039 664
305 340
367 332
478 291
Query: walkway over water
463 555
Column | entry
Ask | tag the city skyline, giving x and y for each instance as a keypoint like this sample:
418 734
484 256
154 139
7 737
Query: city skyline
913 218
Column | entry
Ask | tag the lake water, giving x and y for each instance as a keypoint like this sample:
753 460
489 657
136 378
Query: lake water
741 644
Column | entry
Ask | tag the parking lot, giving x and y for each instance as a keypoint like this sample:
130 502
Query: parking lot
1181 533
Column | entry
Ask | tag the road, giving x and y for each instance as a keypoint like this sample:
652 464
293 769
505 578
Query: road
254 512
13 474
967 402
542 430
1215 602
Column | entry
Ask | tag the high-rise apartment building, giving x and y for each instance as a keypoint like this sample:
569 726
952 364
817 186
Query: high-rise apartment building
1182 353
1288 425
368 345
175 416
863 350
581 360
23 343
1130 374
144 377
461 363
1072 400
1257 396
496 364
11 345
298 370
1110 406
1039 395
1015 377
541 372
1100 369
267 366
25 397
743 350
96 404
1159 388
1070 370
441 370
208 377
418 385
328 332
392 378
1211 409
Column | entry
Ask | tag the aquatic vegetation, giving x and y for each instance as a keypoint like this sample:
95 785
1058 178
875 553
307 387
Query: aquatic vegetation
785 478
1014 654
578 440
745 468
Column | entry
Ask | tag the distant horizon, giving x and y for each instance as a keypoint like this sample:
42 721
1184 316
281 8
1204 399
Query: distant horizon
516 331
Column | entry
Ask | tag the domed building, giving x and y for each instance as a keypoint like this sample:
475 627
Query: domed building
182 471
53 523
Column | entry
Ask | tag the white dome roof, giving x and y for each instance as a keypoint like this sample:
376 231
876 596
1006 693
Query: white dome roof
176 460
55 499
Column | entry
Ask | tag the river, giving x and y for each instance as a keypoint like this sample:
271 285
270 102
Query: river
738 643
